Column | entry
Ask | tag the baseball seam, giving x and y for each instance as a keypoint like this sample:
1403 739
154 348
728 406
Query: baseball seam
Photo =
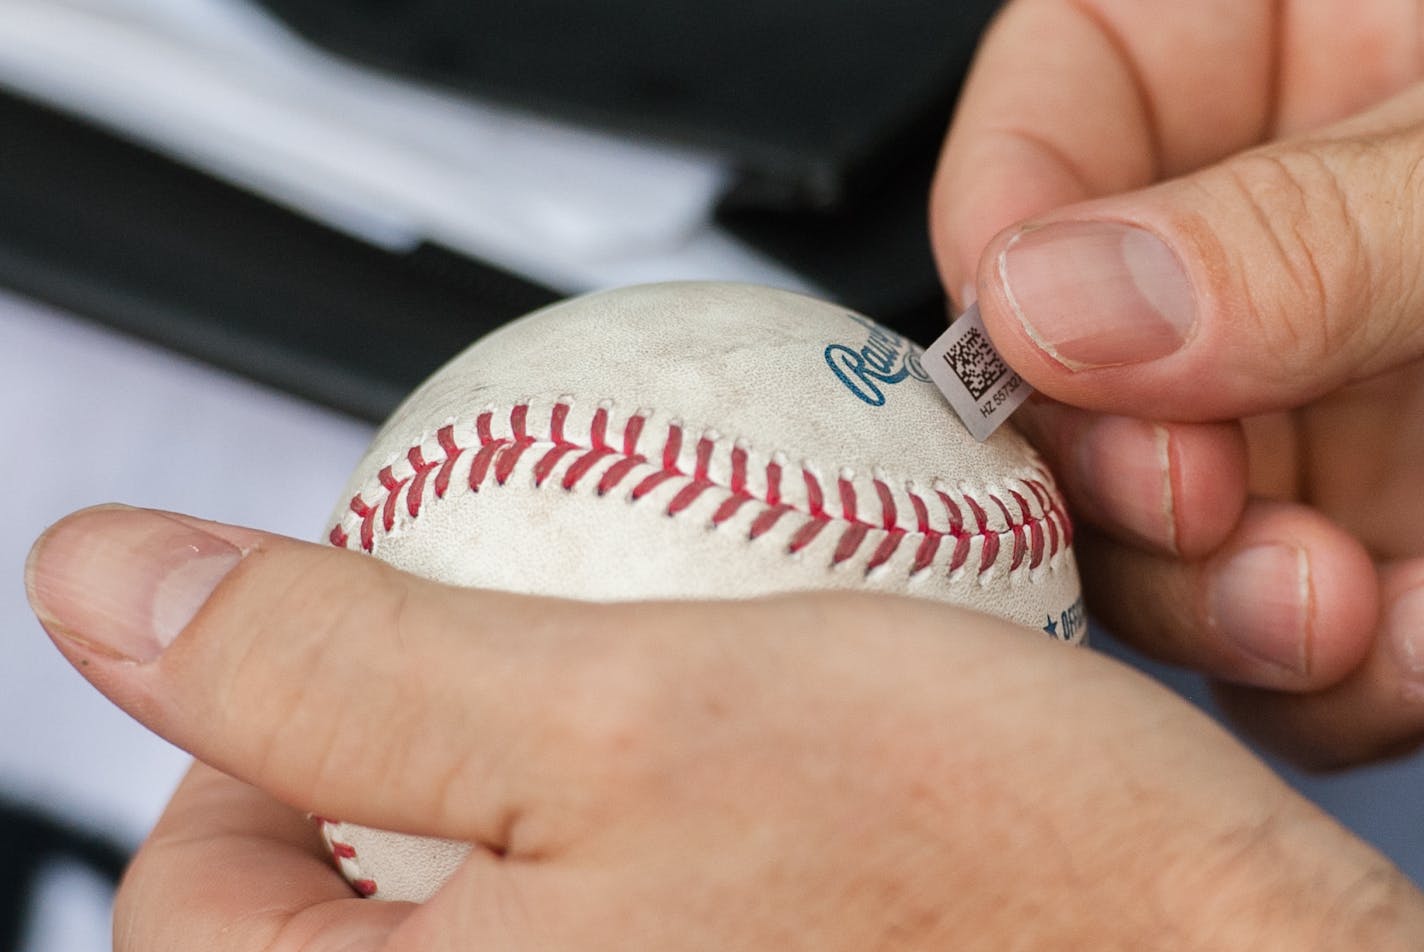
1035 524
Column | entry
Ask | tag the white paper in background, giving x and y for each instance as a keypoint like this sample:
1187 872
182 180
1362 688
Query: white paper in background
225 87
89 417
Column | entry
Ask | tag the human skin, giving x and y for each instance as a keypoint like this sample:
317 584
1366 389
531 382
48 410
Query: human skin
813 772
741 776
1193 227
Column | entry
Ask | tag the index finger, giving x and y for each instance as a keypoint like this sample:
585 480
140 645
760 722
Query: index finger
229 869
1072 100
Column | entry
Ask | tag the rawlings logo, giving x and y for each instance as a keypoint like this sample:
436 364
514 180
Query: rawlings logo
886 358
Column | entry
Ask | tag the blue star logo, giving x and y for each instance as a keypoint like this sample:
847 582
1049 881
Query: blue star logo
1052 626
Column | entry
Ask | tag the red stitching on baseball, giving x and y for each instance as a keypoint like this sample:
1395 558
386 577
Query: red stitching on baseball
700 482
847 491
1035 530
631 458
773 483
929 545
806 534
415 492
849 542
739 494
453 452
888 514
598 429
990 552
1034 538
488 447
1020 540
560 449
672 446
739 470
887 505
598 432
654 481
508 457
960 555
392 486
885 550
618 471
367 515
815 501
852 538
583 464
363 885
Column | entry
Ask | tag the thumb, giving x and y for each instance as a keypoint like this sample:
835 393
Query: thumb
1250 286
328 679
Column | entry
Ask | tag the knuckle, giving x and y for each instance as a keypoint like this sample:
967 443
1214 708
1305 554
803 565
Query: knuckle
1396 160
588 749
1301 275
1372 912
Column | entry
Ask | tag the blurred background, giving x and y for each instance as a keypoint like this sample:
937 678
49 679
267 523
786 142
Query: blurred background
233 234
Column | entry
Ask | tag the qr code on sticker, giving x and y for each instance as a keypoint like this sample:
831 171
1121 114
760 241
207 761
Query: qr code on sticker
975 362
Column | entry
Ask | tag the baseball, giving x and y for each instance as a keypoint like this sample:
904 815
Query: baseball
701 441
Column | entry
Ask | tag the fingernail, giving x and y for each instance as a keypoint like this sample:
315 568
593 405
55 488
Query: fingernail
124 581
1098 293
1260 600
1404 626
1126 464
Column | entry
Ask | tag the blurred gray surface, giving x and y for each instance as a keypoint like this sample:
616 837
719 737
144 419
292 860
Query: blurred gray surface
91 417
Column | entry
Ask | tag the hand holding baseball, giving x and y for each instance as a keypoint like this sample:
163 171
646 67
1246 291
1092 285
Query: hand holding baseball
1217 260
670 776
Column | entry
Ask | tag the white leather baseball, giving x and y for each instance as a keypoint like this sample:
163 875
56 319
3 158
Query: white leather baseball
696 440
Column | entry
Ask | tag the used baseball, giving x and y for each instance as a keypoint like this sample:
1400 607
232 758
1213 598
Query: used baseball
696 440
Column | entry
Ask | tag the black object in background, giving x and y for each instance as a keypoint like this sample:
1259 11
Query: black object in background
121 234
30 843
873 255
831 112
810 99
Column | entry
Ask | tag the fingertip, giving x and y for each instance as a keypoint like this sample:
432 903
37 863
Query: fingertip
124 582
1115 471
1172 488
1296 595
79 521
1091 306
1403 631
1345 606
1376 713
1207 467
1288 603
